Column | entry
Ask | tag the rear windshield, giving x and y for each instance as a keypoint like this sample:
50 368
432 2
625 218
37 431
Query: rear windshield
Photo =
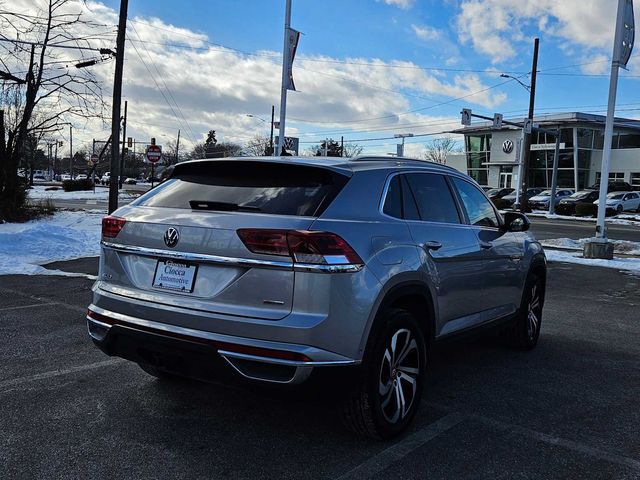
242 186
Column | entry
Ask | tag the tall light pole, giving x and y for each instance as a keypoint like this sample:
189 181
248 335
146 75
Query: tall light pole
526 144
115 112
401 146
599 247
286 58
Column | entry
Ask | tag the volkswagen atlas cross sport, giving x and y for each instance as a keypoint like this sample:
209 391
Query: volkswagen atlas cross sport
276 269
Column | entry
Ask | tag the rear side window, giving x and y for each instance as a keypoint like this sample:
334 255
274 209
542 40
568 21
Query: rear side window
258 187
393 200
433 198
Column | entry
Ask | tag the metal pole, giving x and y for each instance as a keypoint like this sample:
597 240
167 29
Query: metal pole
124 144
527 142
342 146
601 232
71 150
177 146
285 73
273 112
516 205
115 113
554 176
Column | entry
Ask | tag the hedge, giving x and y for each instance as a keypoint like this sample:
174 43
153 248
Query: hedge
76 185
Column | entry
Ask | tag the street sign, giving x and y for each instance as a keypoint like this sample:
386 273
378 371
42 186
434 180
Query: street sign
94 158
466 117
291 144
497 121
154 153
528 125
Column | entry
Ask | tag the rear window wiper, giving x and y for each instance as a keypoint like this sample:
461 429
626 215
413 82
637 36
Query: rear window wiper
222 206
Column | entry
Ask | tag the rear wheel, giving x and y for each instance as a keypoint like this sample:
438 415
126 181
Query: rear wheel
387 396
524 331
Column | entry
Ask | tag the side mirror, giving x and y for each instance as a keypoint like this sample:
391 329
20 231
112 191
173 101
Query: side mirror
516 222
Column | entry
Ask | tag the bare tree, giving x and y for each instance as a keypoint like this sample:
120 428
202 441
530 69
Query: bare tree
40 92
438 148
257 146
352 149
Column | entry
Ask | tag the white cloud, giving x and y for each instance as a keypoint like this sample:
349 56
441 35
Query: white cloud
425 32
404 4
495 27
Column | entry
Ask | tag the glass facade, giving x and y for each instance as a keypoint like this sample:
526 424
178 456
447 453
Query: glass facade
478 148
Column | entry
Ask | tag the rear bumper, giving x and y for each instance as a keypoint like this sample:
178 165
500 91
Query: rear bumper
205 355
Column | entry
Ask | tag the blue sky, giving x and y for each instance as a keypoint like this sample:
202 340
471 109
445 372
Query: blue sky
469 42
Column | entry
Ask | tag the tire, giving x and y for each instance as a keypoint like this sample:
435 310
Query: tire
387 395
524 331
619 209
158 373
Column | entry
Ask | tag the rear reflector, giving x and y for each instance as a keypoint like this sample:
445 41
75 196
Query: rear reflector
320 248
111 226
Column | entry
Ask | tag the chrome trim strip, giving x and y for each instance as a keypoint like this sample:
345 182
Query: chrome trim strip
232 261
296 348
299 375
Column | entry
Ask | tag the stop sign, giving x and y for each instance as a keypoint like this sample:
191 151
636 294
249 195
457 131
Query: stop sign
94 158
154 153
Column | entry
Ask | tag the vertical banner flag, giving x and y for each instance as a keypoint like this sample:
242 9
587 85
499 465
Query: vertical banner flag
294 37
628 34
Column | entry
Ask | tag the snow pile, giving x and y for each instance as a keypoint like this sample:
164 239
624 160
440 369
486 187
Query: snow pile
629 264
620 246
64 236
622 219
40 192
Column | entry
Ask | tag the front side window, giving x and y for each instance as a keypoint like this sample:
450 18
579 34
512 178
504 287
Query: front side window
478 207
433 197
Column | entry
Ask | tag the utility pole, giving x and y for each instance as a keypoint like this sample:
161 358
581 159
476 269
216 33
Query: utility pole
124 146
177 145
526 145
71 151
342 146
115 113
400 147
286 58
273 112
599 247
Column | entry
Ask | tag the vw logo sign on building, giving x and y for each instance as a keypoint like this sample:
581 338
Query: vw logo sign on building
507 146
171 237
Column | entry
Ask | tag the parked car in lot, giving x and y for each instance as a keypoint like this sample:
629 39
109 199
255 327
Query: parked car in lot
496 193
274 270
106 177
614 186
510 199
130 181
81 176
65 176
541 201
619 202
486 188
567 206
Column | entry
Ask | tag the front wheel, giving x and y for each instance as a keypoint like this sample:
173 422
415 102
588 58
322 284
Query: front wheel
619 209
524 331
387 397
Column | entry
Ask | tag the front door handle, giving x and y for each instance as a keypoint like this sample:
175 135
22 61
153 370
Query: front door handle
486 245
431 245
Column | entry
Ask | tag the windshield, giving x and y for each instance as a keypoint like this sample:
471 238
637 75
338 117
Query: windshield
579 195
615 196
546 193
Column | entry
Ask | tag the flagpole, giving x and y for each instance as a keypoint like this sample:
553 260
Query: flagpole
598 247
286 57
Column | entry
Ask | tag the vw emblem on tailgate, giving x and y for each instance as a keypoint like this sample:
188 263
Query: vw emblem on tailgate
171 237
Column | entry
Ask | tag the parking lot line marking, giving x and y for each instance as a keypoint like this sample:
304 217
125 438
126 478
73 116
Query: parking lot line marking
75 308
20 307
402 448
6 384
551 439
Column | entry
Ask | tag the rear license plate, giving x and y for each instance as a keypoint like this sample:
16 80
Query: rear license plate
175 276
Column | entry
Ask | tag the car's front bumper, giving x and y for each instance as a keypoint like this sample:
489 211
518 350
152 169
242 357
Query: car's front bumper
205 355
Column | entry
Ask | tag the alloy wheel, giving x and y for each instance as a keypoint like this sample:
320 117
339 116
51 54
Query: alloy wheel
534 310
399 376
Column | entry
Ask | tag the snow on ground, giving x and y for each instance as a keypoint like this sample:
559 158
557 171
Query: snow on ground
620 246
39 192
63 236
629 264
623 219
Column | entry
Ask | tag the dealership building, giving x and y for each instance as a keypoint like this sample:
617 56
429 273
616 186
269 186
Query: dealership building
491 155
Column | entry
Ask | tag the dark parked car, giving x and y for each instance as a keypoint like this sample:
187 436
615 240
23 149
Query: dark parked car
511 198
496 193
567 206
615 186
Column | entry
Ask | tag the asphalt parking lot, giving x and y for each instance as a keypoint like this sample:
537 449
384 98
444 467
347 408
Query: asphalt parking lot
569 409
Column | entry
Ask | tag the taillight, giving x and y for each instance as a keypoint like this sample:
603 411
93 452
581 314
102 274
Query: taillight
320 248
111 226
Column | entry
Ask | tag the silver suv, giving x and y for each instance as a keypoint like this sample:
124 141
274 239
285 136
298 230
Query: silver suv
279 269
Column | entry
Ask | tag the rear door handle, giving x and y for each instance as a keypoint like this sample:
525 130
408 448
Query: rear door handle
431 245
486 245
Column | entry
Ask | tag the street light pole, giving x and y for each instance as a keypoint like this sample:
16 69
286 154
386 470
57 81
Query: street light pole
400 150
526 152
286 58
71 151
115 112
273 112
